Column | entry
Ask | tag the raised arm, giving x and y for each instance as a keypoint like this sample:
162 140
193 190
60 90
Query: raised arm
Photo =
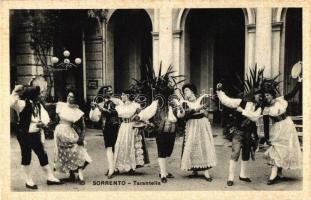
15 102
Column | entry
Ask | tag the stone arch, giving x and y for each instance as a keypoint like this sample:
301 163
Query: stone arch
249 14
148 11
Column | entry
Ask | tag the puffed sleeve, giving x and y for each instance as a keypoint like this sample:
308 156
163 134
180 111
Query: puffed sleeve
45 118
95 115
251 113
116 101
77 114
279 107
59 106
17 104
227 101
149 111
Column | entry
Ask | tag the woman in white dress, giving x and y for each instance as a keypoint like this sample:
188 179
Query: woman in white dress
198 150
284 151
130 151
70 153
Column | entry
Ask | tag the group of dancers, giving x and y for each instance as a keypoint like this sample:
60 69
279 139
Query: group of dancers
124 122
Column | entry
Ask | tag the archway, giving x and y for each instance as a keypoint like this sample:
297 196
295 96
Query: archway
214 47
129 46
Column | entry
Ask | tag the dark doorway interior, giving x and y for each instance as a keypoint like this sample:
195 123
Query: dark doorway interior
216 53
293 54
217 41
132 46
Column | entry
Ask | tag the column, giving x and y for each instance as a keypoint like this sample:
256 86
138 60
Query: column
263 40
176 50
94 59
155 50
165 39
276 44
250 42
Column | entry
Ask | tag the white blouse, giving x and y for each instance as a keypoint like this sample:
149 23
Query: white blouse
127 110
68 114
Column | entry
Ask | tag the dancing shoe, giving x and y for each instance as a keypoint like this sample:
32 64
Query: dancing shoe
169 175
163 180
48 182
81 181
33 187
230 183
245 179
274 181
209 179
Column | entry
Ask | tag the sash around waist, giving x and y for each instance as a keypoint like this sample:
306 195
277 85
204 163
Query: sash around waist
198 116
279 118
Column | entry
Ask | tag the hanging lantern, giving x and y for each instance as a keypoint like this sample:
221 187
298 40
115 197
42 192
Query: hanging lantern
78 61
54 60
66 53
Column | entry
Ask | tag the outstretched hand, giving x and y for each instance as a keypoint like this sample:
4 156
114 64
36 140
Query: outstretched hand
219 86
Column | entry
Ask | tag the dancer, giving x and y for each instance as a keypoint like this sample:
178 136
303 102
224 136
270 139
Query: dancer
130 151
105 111
32 118
70 153
198 150
284 151
245 130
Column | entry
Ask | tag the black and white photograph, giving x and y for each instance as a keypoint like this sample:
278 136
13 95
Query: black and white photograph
156 99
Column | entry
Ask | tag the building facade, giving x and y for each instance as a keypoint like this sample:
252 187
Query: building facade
206 45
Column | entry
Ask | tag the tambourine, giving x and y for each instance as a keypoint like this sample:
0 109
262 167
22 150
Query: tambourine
296 70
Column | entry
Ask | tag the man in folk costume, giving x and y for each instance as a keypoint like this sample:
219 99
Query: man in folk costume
244 133
165 120
105 111
32 118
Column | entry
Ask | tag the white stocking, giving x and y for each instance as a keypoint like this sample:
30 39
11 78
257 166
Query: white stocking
110 160
80 173
274 172
162 164
232 165
27 172
48 172
243 169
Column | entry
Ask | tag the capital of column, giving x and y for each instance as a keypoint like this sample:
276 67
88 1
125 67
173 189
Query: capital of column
251 28
155 35
277 26
177 33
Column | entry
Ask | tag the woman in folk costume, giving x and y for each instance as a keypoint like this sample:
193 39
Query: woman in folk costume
284 151
32 118
245 129
106 112
198 150
130 150
70 153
